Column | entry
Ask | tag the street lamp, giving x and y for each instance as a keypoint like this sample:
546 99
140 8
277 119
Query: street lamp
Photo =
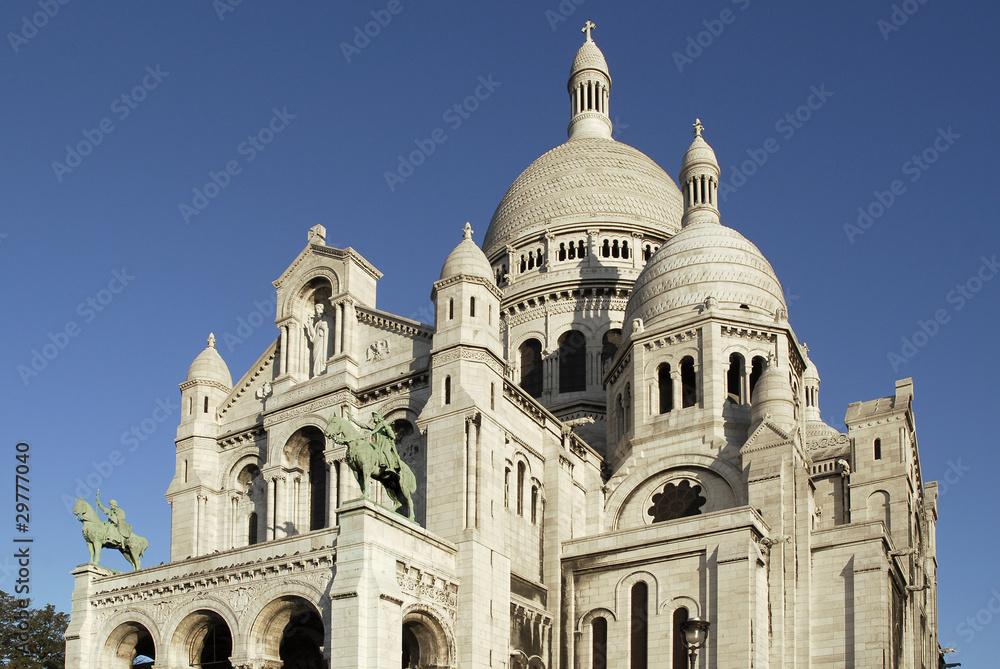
695 636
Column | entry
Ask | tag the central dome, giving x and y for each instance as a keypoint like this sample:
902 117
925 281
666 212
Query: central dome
587 179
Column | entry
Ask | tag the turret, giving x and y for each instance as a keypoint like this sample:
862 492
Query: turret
589 91
466 300
208 382
773 397
699 178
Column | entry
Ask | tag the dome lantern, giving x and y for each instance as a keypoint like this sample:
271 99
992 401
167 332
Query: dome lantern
699 178
589 91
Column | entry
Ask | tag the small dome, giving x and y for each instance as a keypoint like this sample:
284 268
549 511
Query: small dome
209 366
811 373
773 395
587 179
702 261
699 154
589 57
467 259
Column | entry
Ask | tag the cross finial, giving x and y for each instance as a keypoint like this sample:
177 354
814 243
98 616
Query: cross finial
467 231
698 128
587 27
211 340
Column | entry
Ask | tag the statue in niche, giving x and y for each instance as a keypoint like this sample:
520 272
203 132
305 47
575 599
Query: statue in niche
318 333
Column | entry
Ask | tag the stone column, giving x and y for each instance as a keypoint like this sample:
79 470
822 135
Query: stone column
592 247
637 250
511 260
550 249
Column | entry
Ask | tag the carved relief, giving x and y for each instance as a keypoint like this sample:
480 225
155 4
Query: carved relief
378 350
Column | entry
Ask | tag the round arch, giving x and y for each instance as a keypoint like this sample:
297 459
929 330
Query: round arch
132 634
623 493
427 643
204 634
624 588
306 285
276 442
291 615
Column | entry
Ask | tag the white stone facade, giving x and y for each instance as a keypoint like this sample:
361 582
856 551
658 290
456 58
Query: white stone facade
613 427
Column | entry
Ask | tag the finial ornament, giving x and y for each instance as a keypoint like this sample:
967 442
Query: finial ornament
467 231
698 128
211 340
587 27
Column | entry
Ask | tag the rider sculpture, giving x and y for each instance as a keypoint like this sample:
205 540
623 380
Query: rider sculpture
383 438
116 516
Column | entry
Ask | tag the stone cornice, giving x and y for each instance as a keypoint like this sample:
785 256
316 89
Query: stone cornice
395 387
468 278
392 323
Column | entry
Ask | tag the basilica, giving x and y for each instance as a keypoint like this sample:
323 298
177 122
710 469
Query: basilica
614 448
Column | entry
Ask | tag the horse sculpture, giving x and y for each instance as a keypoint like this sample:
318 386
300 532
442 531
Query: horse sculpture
103 534
364 459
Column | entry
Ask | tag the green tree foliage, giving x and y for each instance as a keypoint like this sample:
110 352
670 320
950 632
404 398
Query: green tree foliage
31 638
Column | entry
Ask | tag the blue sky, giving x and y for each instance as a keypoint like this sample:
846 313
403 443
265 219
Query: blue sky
885 107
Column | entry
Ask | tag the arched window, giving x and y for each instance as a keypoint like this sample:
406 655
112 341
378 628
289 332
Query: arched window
534 504
619 418
206 403
572 362
599 643
676 500
689 383
609 346
878 449
625 250
734 378
317 486
639 627
451 308
520 488
531 367
447 390
666 387
647 253
524 264
615 252
581 249
506 487
756 371
680 657
606 249
571 254
252 528
879 509
562 251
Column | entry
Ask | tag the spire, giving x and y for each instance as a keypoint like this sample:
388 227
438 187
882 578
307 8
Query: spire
699 178
467 231
211 339
589 91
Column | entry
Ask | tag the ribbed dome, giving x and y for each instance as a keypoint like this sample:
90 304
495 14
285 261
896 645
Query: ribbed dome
704 260
588 179
589 57
209 366
467 259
